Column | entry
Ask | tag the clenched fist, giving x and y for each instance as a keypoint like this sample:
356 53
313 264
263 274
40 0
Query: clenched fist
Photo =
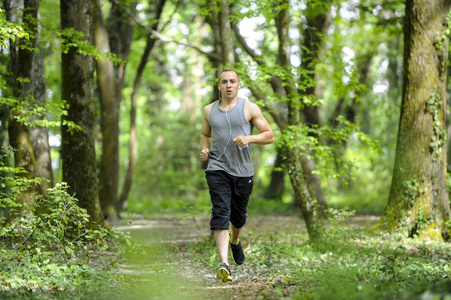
241 140
204 154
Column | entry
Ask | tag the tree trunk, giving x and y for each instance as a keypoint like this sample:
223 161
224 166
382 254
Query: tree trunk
133 140
77 149
318 21
276 187
418 203
303 192
213 21
22 65
280 114
109 99
228 55
39 134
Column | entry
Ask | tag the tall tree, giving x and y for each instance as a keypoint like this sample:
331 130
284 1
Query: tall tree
418 202
317 23
303 191
228 55
77 149
213 20
27 61
39 134
284 88
151 40
22 65
109 87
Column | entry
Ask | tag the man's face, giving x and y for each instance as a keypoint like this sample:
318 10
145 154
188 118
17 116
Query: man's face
229 85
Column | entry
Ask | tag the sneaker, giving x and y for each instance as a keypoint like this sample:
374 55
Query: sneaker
223 273
237 250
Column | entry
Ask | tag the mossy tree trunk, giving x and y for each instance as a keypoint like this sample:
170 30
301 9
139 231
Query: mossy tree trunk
303 191
77 149
418 203
30 142
22 65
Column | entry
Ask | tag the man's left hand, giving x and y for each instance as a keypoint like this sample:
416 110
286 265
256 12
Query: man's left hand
241 140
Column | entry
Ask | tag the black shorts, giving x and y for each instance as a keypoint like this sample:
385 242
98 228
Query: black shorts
229 198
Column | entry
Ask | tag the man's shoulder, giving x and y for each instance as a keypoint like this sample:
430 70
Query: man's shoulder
207 109
251 106
208 106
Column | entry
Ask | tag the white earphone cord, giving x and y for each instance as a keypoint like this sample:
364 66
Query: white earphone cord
228 141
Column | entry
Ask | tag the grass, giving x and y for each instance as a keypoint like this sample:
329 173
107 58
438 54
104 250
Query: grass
347 263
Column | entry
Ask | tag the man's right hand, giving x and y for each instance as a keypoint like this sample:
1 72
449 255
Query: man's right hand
204 154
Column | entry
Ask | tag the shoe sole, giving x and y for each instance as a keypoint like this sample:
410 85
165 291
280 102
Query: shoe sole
223 275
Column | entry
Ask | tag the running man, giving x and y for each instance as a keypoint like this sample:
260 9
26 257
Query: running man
225 139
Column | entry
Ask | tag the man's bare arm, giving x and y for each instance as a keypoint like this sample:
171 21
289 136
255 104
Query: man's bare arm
205 134
266 135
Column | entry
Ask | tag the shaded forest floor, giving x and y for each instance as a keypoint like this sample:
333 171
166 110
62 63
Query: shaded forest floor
181 260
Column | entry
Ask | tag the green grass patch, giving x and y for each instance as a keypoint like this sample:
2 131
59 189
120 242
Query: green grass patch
347 263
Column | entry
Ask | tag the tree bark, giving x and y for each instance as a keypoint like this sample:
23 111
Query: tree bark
109 88
418 204
228 55
317 23
304 194
40 135
28 63
77 149
213 21
22 65
276 187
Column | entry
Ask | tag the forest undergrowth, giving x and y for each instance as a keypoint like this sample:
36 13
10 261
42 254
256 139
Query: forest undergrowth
50 250
281 263
175 258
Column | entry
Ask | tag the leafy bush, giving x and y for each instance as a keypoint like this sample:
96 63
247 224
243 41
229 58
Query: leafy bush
48 246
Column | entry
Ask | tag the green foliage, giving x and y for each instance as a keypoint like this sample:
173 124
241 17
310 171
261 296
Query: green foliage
10 30
441 42
48 246
70 38
434 105
32 114
347 263
331 163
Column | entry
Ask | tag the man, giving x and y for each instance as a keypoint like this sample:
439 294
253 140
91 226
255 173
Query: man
225 140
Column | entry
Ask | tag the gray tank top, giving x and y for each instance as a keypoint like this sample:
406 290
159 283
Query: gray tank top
224 154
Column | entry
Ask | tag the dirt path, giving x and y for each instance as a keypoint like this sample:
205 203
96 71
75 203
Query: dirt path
172 272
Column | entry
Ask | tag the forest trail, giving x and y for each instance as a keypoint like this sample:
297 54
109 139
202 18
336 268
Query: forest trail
172 271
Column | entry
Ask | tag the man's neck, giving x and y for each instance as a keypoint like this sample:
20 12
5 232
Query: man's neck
229 102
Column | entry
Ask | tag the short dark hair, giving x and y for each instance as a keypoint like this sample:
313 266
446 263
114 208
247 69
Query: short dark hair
228 70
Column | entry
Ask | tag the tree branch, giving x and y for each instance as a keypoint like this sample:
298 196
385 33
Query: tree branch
279 110
164 38
245 46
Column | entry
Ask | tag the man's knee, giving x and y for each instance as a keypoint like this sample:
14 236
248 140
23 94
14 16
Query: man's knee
239 222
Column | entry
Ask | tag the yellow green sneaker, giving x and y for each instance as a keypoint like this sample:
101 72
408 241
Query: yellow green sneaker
223 273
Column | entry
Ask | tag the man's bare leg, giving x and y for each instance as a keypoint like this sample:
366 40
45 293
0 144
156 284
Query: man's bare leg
222 243
235 234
